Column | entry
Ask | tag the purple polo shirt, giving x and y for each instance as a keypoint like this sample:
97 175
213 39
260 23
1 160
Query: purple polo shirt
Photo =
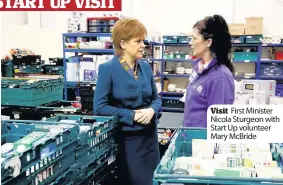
213 85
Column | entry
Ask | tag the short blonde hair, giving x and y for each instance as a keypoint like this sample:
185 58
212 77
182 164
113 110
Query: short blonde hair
126 29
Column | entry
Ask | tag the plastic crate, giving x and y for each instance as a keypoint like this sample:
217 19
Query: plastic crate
184 39
54 137
30 92
28 69
53 70
87 89
65 178
51 169
238 39
98 125
98 168
56 61
57 107
101 24
170 39
87 104
86 92
245 55
7 68
40 112
45 152
181 145
253 39
94 148
26 60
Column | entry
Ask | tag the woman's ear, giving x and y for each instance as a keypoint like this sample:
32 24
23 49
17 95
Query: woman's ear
122 44
208 42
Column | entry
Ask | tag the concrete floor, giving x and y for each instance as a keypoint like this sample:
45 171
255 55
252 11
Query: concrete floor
171 120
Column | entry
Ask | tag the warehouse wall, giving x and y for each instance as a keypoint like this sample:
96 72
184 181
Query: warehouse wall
33 31
162 14
41 31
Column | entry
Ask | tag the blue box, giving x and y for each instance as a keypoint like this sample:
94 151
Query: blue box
245 55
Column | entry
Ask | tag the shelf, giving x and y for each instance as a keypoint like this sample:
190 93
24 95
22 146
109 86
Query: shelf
176 75
152 43
176 44
172 109
271 61
153 59
171 98
75 83
244 45
70 83
244 61
178 60
108 51
84 34
271 77
272 45
172 93
245 77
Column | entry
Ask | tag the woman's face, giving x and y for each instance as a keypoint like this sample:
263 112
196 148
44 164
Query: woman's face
198 44
134 47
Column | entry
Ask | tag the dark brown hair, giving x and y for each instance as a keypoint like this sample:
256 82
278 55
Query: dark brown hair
216 28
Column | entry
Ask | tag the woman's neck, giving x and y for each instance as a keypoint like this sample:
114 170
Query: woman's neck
207 57
129 60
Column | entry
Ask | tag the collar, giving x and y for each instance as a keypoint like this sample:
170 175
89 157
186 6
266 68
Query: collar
207 67
132 71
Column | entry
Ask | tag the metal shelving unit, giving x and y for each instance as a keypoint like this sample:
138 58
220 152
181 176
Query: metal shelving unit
166 95
80 51
98 51
92 52
258 61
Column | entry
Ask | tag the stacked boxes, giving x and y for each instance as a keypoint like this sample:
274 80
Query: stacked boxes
253 26
63 149
250 32
30 91
27 64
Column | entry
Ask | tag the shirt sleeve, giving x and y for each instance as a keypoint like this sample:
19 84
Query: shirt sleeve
220 91
101 98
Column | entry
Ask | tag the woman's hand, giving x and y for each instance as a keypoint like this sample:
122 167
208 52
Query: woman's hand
144 116
138 115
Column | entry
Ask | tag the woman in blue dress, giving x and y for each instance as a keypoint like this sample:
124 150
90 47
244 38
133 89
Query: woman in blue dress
126 88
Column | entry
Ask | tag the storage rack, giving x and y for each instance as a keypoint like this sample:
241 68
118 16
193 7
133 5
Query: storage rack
178 95
88 51
168 95
77 51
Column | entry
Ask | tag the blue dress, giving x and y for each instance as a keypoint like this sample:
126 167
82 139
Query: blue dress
118 94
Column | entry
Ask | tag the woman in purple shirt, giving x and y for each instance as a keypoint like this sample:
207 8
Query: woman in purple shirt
212 80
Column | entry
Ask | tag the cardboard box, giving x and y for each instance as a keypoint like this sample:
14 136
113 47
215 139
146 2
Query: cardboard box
237 29
254 26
